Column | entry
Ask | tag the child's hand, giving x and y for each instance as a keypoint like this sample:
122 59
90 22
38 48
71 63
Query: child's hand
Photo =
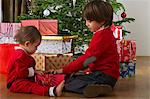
39 72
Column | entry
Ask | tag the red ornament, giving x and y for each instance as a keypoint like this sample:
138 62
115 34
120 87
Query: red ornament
123 15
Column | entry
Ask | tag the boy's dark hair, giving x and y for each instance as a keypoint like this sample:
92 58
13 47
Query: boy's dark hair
28 33
98 10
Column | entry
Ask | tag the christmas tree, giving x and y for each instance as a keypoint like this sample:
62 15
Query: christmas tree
69 15
67 12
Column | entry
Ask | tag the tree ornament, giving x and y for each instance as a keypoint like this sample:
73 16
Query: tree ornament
46 12
123 15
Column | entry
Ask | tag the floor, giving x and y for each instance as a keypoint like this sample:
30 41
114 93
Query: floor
137 87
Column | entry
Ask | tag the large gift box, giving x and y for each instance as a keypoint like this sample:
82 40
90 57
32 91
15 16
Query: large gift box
45 26
126 50
55 44
127 69
47 61
49 79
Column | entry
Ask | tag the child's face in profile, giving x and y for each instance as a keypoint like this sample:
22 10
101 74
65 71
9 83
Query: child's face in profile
32 47
93 25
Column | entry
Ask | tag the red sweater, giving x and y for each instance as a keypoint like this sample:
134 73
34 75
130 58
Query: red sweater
103 47
18 65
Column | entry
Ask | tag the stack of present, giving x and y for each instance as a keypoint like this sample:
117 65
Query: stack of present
54 51
127 57
45 62
127 54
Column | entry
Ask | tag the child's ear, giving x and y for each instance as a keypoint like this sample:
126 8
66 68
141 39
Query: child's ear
26 43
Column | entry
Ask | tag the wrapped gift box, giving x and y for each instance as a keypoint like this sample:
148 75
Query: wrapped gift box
117 32
46 27
7 31
49 79
46 61
55 44
127 69
126 50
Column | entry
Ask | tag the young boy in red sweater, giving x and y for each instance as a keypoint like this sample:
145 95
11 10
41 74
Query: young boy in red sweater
101 57
21 66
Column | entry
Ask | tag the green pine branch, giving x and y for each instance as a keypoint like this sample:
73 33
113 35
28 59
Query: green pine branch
124 20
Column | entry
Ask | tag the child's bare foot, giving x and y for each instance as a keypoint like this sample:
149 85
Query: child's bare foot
59 88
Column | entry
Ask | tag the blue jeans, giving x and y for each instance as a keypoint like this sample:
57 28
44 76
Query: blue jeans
77 83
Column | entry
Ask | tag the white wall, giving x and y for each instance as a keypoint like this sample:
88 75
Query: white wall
140 29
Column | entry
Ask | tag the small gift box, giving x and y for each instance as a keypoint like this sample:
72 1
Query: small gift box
127 69
47 61
49 79
55 44
117 32
45 26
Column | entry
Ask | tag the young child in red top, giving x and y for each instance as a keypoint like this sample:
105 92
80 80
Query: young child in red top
21 66
101 57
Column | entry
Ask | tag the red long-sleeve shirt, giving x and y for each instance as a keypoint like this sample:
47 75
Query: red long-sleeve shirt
18 65
103 47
